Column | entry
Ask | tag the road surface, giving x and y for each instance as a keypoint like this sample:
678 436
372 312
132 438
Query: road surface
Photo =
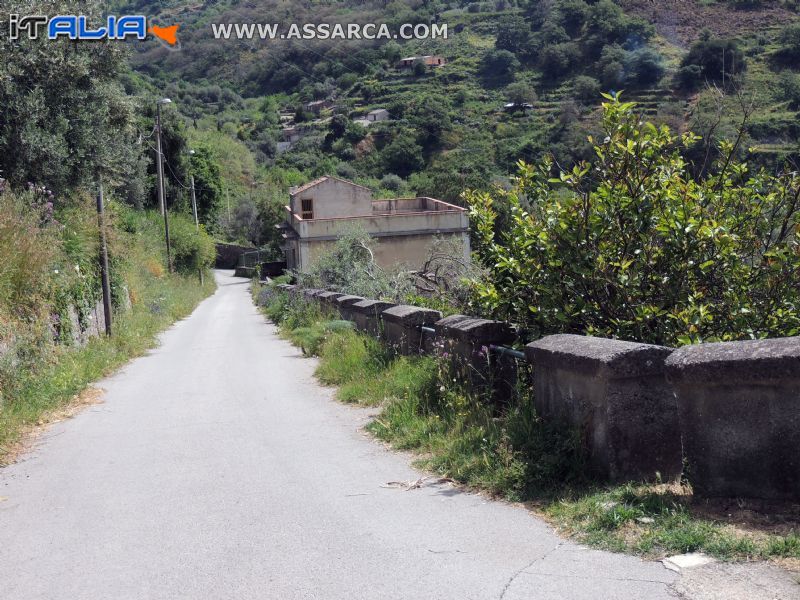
217 467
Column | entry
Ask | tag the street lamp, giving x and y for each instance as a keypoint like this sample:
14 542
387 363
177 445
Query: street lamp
162 205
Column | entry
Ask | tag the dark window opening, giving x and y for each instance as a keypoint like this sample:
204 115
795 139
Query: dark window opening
306 208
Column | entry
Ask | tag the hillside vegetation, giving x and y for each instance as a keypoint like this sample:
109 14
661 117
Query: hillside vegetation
705 65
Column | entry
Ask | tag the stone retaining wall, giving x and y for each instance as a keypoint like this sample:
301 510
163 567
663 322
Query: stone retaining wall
729 411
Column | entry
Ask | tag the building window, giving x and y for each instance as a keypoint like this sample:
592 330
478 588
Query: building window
306 208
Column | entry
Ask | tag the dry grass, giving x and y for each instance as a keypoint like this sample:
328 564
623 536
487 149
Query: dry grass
31 432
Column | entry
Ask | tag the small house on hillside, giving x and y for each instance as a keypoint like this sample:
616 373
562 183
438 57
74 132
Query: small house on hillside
373 116
379 114
404 229
429 60
318 106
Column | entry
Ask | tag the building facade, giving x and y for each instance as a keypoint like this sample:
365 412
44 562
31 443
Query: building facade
403 229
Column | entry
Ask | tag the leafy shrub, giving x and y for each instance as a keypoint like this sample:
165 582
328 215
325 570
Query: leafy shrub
789 40
350 268
391 182
644 251
403 156
586 89
644 66
192 249
789 87
711 59
556 61
499 64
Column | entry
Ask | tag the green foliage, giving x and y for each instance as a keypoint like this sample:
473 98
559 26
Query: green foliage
789 88
631 246
513 35
789 51
711 59
520 93
499 65
403 156
350 268
28 247
192 249
66 119
586 89
208 184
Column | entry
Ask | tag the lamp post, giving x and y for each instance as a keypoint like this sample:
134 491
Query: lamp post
162 204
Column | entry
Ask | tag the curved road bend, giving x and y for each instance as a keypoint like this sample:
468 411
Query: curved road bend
218 468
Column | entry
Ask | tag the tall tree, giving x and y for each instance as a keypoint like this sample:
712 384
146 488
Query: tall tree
65 116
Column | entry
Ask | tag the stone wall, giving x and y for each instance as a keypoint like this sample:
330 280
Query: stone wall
730 412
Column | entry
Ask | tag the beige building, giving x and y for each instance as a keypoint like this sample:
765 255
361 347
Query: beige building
403 229
428 60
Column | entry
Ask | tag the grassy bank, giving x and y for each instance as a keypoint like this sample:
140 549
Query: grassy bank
512 454
50 267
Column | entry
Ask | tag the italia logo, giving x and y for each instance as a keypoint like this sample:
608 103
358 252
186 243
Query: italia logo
76 27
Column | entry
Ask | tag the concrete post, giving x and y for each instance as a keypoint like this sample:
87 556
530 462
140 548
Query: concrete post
367 315
739 411
616 394
466 342
401 327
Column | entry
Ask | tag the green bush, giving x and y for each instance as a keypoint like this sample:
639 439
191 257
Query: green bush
789 88
192 249
789 40
631 246
586 89
711 59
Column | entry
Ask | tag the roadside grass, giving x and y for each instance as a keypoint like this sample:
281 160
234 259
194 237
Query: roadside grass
512 454
68 370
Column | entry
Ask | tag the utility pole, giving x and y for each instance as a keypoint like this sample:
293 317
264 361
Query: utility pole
104 261
196 222
194 203
228 200
159 158
162 204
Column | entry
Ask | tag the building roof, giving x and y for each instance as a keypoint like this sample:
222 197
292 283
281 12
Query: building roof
319 180
377 111
420 57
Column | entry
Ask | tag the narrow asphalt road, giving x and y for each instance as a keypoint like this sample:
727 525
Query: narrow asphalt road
217 467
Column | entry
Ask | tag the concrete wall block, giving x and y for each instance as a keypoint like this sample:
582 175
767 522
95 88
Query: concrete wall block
367 315
466 342
401 327
344 303
739 410
329 298
616 394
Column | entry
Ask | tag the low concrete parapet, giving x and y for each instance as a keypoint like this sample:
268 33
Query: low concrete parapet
466 342
329 297
344 303
401 327
367 315
739 410
616 394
